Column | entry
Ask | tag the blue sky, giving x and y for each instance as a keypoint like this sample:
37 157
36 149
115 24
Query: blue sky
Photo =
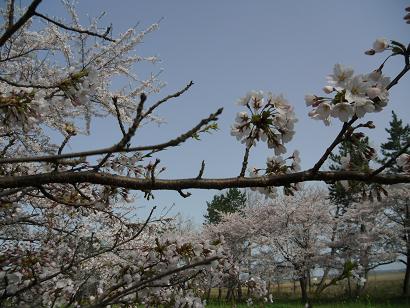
230 47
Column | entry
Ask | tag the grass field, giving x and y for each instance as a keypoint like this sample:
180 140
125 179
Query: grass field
383 290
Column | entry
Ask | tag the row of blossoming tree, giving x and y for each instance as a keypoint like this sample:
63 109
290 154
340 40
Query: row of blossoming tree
68 234
310 239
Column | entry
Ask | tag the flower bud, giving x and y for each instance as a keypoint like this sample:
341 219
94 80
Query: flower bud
370 125
328 89
310 99
370 52
380 44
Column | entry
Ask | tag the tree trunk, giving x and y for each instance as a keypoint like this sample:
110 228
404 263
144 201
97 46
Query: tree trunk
228 294
278 284
349 286
406 284
208 295
219 294
239 291
303 287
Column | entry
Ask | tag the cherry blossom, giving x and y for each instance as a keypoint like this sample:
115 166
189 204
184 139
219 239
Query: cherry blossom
404 161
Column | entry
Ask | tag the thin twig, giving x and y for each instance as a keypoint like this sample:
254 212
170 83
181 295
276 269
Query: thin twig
171 143
126 137
63 144
157 161
117 110
201 171
18 85
139 284
184 195
63 26
157 104
335 142
391 160
245 161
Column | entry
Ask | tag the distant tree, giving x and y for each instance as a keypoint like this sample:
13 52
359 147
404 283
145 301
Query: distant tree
398 205
233 201
398 212
355 153
64 215
398 140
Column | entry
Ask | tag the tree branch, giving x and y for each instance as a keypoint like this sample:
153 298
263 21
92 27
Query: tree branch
138 285
23 19
9 182
10 14
63 26
391 160
117 111
245 161
158 147
335 142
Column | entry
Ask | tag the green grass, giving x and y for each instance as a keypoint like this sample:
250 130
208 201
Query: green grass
335 304
383 291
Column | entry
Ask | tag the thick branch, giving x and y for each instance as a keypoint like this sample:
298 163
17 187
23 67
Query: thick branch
10 14
23 19
192 183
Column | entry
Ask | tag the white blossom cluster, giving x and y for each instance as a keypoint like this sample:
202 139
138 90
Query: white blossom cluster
100 252
277 165
269 119
404 161
69 84
354 95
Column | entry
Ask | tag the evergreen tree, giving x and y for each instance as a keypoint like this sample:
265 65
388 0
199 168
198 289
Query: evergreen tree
233 201
399 137
357 150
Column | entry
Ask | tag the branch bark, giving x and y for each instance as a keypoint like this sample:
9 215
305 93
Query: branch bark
9 182
23 19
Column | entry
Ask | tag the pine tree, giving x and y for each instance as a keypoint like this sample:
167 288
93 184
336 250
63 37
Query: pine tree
233 201
357 148
399 136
